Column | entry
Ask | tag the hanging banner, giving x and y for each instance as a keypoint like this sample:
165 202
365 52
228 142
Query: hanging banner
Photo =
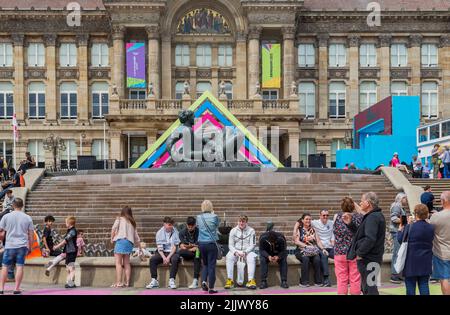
136 65
271 65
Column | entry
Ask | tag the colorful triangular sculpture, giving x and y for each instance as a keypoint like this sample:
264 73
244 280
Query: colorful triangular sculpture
207 109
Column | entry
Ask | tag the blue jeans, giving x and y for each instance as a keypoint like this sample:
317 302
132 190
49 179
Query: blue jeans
446 170
3 192
394 252
208 253
422 282
324 262
10 268
14 255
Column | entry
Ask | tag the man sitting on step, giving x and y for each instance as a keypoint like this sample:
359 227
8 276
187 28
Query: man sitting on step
242 242
189 248
167 240
273 249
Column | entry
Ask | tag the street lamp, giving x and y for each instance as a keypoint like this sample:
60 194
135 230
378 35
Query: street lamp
54 144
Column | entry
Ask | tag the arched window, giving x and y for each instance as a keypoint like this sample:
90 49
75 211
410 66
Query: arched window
429 99
367 94
179 90
307 99
337 96
68 96
36 100
100 99
203 87
399 88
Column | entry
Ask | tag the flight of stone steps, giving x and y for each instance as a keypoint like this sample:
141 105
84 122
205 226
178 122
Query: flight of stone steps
96 205
437 186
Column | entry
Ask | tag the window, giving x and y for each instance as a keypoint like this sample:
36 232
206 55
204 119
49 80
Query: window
429 99
100 55
71 151
6 151
446 129
367 94
225 56
203 56
307 147
6 55
203 87
423 134
36 148
338 55
270 95
434 132
336 144
306 55
368 55
36 100
68 93
36 55
182 56
307 99
138 94
100 99
179 90
399 55
228 90
6 100
337 100
100 149
68 55
429 55
399 88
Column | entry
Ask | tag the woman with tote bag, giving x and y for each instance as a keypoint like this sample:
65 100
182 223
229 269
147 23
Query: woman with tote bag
419 252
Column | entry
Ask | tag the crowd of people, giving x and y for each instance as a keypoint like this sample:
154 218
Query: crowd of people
440 164
354 238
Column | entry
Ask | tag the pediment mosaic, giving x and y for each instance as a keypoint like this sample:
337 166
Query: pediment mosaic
203 21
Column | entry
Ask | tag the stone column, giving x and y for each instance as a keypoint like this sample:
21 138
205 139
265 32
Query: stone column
50 93
414 58
444 62
153 59
253 60
215 70
323 75
353 100
288 60
151 137
83 81
118 75
240 86
19 88
294 146
166 70
116 145
384 57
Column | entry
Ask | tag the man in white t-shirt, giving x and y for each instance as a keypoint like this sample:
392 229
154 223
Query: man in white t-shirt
19 229
324 229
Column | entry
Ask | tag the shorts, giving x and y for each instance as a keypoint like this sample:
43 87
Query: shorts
441 268
123 247
16 255
70 258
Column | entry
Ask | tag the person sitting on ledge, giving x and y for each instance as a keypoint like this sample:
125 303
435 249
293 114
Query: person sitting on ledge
189 248
242 242
273 249
14 182
167 240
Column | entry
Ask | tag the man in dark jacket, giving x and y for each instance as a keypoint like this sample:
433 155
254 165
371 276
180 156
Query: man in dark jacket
273 248
368 242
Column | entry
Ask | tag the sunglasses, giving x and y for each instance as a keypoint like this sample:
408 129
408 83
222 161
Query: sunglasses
325 215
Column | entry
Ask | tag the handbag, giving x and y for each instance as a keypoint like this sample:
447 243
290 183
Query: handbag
219 247
240 270
401 255
310 251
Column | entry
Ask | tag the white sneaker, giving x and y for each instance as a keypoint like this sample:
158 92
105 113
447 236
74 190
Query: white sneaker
194 284
172 283
153 284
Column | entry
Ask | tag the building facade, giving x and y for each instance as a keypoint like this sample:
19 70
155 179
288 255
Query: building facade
71 80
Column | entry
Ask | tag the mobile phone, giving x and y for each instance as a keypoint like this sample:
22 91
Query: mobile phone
404 220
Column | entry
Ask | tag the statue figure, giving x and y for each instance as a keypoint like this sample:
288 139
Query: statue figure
218 146
222 88
150 89
293 88
186 88
258 88
114 90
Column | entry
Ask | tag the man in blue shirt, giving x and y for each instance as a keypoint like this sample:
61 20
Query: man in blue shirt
427 198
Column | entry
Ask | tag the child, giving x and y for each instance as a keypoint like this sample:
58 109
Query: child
142 252
47 238
71 250
80 243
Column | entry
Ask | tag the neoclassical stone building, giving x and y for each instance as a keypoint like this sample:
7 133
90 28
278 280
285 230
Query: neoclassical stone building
71 80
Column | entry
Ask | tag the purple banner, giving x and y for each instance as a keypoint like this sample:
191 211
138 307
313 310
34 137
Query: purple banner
136 65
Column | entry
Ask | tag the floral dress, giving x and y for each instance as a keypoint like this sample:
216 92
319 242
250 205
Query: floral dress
342 234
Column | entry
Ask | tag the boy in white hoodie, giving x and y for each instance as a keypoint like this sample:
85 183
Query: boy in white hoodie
242 242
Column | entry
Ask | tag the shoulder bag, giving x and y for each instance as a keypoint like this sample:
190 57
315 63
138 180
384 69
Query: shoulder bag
401 255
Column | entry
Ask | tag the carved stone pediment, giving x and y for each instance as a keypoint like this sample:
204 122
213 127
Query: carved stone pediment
400 73
338 73
6 73
307 73
431 73
369 73
69 73
35 73
99 73
204 73
226 73
182 73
